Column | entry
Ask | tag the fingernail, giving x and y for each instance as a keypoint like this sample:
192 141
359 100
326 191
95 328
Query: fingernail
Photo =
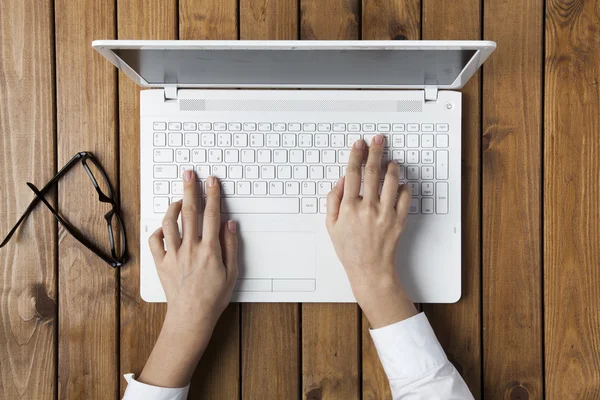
187 175
359 144
379 139
232 226
211 181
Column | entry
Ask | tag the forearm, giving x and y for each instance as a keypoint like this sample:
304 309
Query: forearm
175 355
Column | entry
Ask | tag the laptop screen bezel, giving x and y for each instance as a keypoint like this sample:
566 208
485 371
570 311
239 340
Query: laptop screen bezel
482 51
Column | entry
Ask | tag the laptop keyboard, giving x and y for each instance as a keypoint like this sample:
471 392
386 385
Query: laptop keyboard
290 167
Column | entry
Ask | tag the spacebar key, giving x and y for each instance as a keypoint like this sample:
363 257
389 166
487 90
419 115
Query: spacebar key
260 205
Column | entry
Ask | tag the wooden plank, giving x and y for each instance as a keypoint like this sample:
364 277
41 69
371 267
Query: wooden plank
457 326
571 200
86 115
270 331
384 20
330 332
28 262
512 327
218 374
153 20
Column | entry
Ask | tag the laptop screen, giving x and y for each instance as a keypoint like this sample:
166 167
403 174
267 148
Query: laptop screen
364 67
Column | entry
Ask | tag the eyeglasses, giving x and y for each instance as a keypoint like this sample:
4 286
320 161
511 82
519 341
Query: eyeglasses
105 195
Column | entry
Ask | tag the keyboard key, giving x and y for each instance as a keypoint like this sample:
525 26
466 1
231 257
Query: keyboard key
182 156
305 140
296 156
324 127
160 139
427 189
354 127
427 205
240 140
204 126
235 126
333 172
264 156
413 141
441 164
215 156
414 188
441 198
338 140
309 188
189 126
398 156
412 156
414 206
427 172
284 172
165 172
441 141
224 139
227 188
257 140
309 127
368 127
309 206
267 172
260 188
163 155
343 156
383 127
202 171
323 188
219 171
328 156
220 126
427 127
323 205
339 127
272 139
300 172
312 156
249 126
161 204
161 187
264 126
208 139
427 140
232 156
160 126
243 188
368 139
247 156
402 171
412 127
191 140
175 140
427 156
398 127
412 172
315 172
280 156
276 188
398 141
254 205
294 127
351 138
289 140
292 188
279 127
235 172
177 187
321 140
252 172
441 127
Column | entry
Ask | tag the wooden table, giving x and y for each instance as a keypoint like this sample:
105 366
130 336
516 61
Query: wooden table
528 324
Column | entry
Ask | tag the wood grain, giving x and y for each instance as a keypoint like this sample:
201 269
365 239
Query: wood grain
458 326
512 310
384 20
86 115
571 200
330 332
140 321
28 262
270 332
218 374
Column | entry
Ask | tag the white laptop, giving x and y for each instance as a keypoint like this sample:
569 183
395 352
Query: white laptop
277 150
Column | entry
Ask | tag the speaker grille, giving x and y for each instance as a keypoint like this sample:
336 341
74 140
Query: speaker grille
300 105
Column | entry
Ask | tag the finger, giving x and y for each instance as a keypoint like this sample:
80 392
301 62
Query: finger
157 246
403 203
170 228
230 249
212 210
354 171
390 185
373 169
189 208
334 199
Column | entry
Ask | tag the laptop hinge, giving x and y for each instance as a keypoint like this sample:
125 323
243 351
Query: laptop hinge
171 92
431 93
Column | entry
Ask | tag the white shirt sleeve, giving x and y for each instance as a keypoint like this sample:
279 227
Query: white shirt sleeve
415 362
141 391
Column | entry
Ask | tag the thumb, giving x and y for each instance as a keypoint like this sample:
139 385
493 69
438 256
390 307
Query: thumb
230 245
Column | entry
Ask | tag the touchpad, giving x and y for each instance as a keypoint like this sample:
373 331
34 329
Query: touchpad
276 255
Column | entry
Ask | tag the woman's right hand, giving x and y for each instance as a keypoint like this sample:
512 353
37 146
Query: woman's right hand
365 231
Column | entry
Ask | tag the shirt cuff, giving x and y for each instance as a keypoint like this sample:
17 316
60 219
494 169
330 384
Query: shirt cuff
138 390
408 349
